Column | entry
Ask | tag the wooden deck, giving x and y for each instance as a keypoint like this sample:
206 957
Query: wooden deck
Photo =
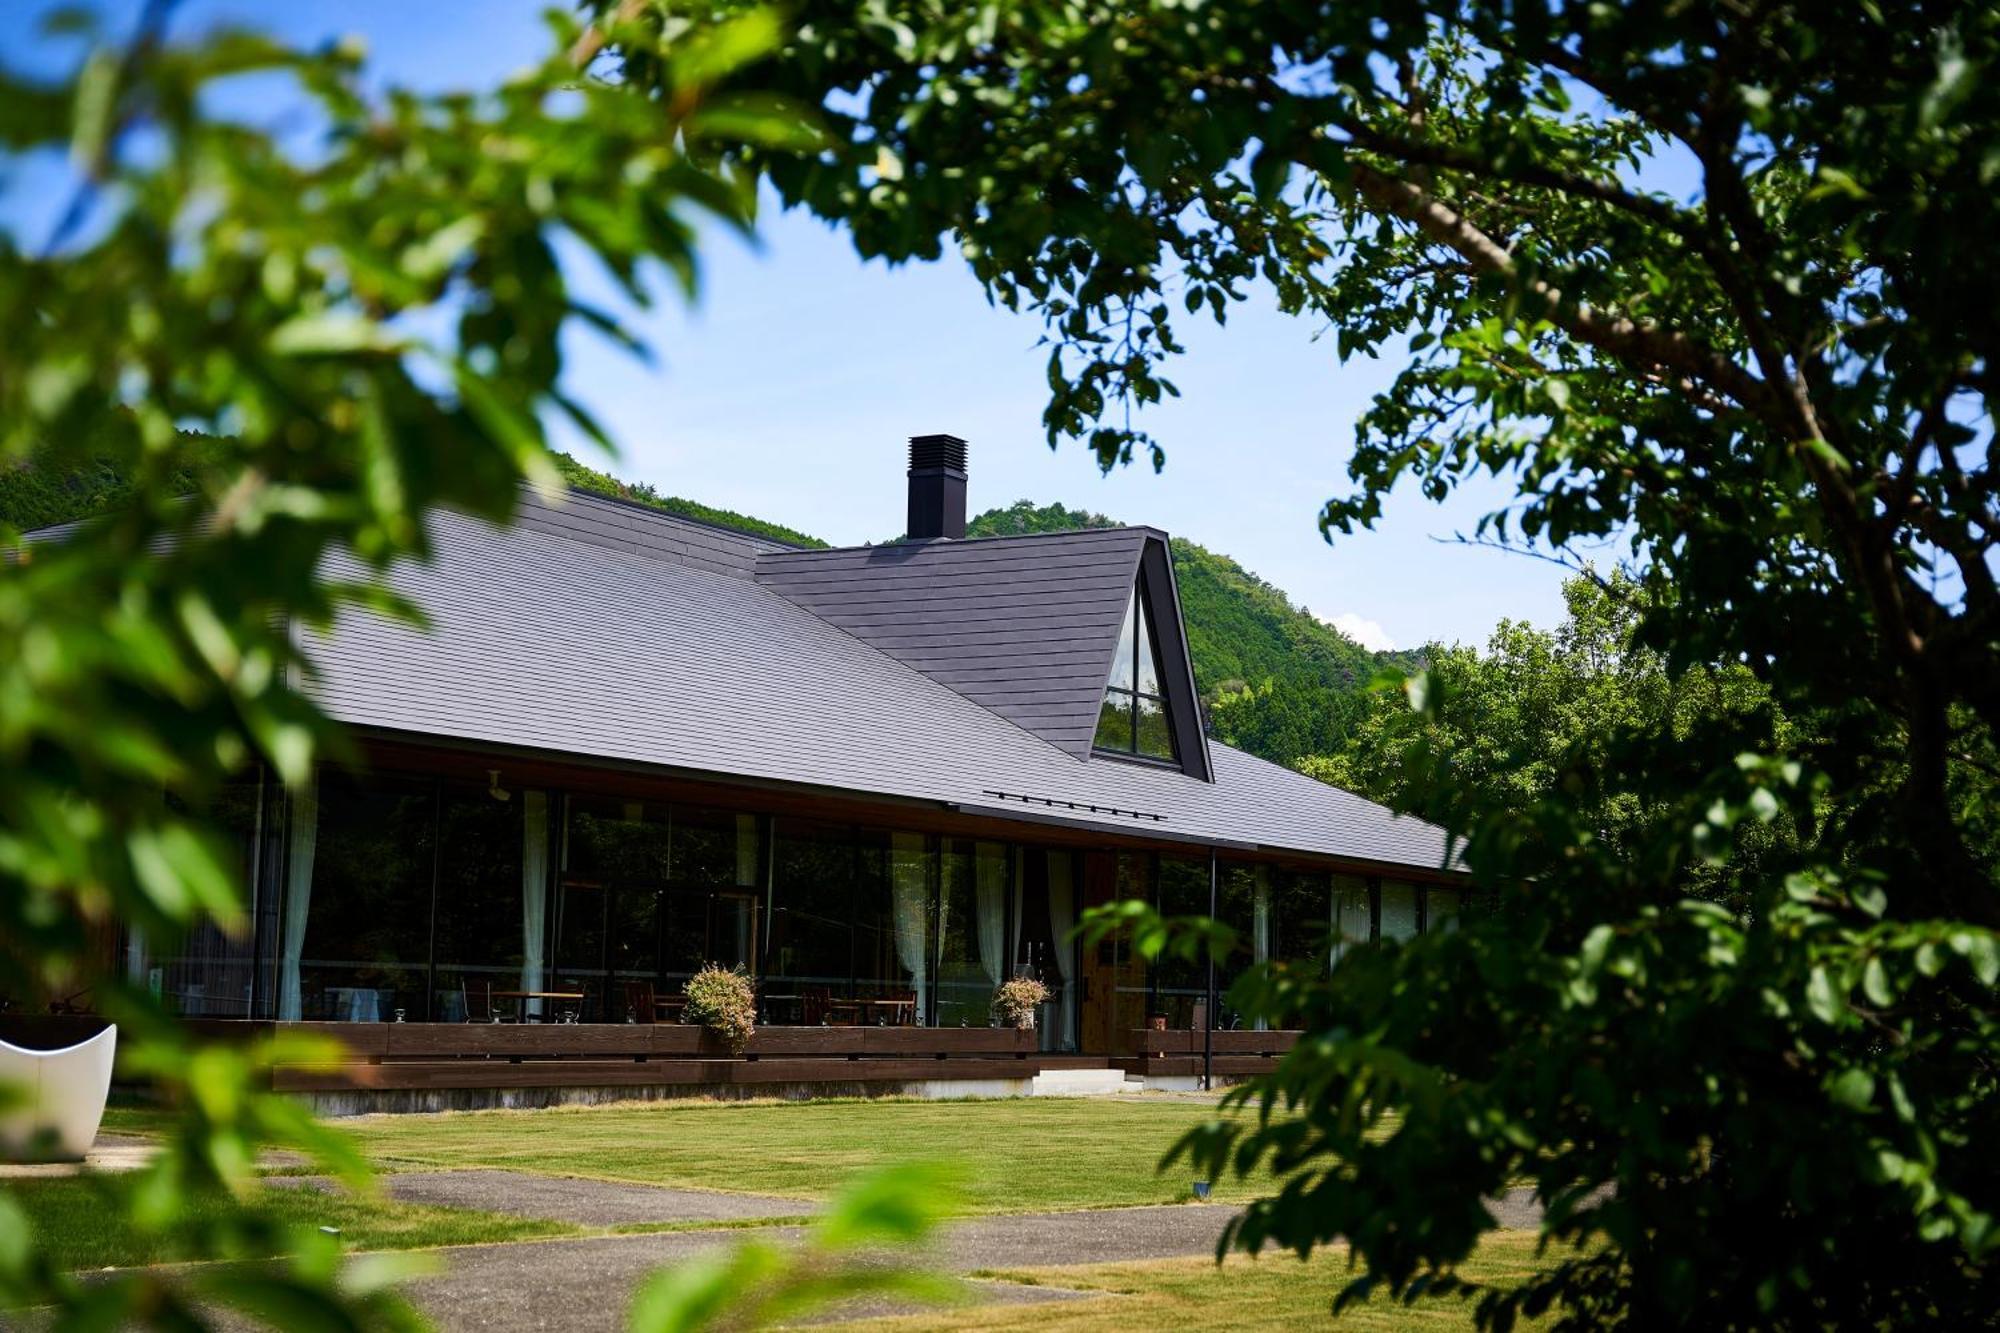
445 1057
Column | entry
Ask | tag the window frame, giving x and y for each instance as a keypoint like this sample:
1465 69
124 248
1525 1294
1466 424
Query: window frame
1144 640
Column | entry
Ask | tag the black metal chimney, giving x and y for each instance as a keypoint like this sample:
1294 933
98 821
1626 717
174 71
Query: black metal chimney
937 487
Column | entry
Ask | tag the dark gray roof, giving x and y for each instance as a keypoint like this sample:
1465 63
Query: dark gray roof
567 642
621 525
1024 626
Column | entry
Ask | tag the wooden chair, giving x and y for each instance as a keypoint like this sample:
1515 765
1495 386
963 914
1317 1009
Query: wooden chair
814 1003
641 1005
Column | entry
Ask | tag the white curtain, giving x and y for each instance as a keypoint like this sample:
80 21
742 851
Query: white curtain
1016 892
1062 920
989 882
534 891
746 851
910 892
298 896
1260 924
1350 916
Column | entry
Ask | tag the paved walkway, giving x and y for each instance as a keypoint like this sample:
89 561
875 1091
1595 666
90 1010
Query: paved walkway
576 1286
111 1152
585 1284
579 1286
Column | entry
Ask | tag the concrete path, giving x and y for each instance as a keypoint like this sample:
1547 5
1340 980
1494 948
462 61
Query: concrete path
111 1152
579 1286
586 1284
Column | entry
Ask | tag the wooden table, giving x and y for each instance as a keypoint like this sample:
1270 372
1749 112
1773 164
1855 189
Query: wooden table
521 997
901 1012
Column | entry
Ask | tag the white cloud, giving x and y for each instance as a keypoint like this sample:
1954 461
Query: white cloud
1368 633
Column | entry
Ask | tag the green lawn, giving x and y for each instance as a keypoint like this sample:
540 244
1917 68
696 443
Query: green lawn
1015 1155
82 1229
1027 1155
1274 1292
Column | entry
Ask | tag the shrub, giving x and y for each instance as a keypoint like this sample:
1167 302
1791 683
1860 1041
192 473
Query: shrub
724 1001
1016 1001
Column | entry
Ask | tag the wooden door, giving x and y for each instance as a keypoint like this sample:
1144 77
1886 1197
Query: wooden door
1107 969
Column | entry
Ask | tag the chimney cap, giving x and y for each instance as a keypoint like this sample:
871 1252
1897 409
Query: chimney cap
937 451
937 487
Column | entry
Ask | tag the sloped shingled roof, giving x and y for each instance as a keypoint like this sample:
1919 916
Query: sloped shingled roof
1024 626
578 637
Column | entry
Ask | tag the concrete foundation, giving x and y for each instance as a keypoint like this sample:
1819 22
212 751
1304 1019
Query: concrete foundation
382 1101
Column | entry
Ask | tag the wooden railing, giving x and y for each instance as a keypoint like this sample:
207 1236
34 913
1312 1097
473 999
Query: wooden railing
522 1055
1177 1052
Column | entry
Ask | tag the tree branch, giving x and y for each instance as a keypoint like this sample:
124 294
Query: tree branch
1643 347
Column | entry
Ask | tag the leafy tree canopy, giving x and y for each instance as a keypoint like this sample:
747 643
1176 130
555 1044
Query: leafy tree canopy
359 315
1709 280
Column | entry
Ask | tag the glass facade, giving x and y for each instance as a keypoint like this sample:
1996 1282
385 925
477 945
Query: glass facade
403 896
1297 918
207 973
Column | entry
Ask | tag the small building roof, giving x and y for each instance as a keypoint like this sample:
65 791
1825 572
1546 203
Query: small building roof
1023 626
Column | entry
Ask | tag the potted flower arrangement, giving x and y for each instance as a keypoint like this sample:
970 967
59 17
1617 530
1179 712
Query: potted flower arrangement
1016 1001
723 1001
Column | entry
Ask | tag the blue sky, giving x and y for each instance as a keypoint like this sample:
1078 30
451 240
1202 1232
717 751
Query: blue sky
789 390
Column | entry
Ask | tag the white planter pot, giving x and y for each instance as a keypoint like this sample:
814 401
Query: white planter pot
60 1098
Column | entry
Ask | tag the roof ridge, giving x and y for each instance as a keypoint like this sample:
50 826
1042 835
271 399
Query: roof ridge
954 543
669 515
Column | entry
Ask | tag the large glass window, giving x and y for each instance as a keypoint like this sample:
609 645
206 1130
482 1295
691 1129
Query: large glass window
1353 915
1132 991
358 925
1180 985
484 908
971 936
651 893
810 962
1133 719
1398 917
1301 918
612 875
1045 919
852 926
1243 903
206 973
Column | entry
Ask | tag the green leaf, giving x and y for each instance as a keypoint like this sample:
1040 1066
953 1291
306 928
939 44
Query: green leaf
333 333
1853 1089
436 254
1822 999
1875 984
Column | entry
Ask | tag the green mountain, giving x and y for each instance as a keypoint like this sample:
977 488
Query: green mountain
603 483
1275 680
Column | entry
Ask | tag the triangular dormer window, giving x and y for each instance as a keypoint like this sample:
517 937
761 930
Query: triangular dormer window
1135 719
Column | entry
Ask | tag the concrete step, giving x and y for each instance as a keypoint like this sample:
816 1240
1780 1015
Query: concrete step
1077 1083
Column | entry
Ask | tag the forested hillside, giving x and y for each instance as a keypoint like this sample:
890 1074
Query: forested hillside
603 483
